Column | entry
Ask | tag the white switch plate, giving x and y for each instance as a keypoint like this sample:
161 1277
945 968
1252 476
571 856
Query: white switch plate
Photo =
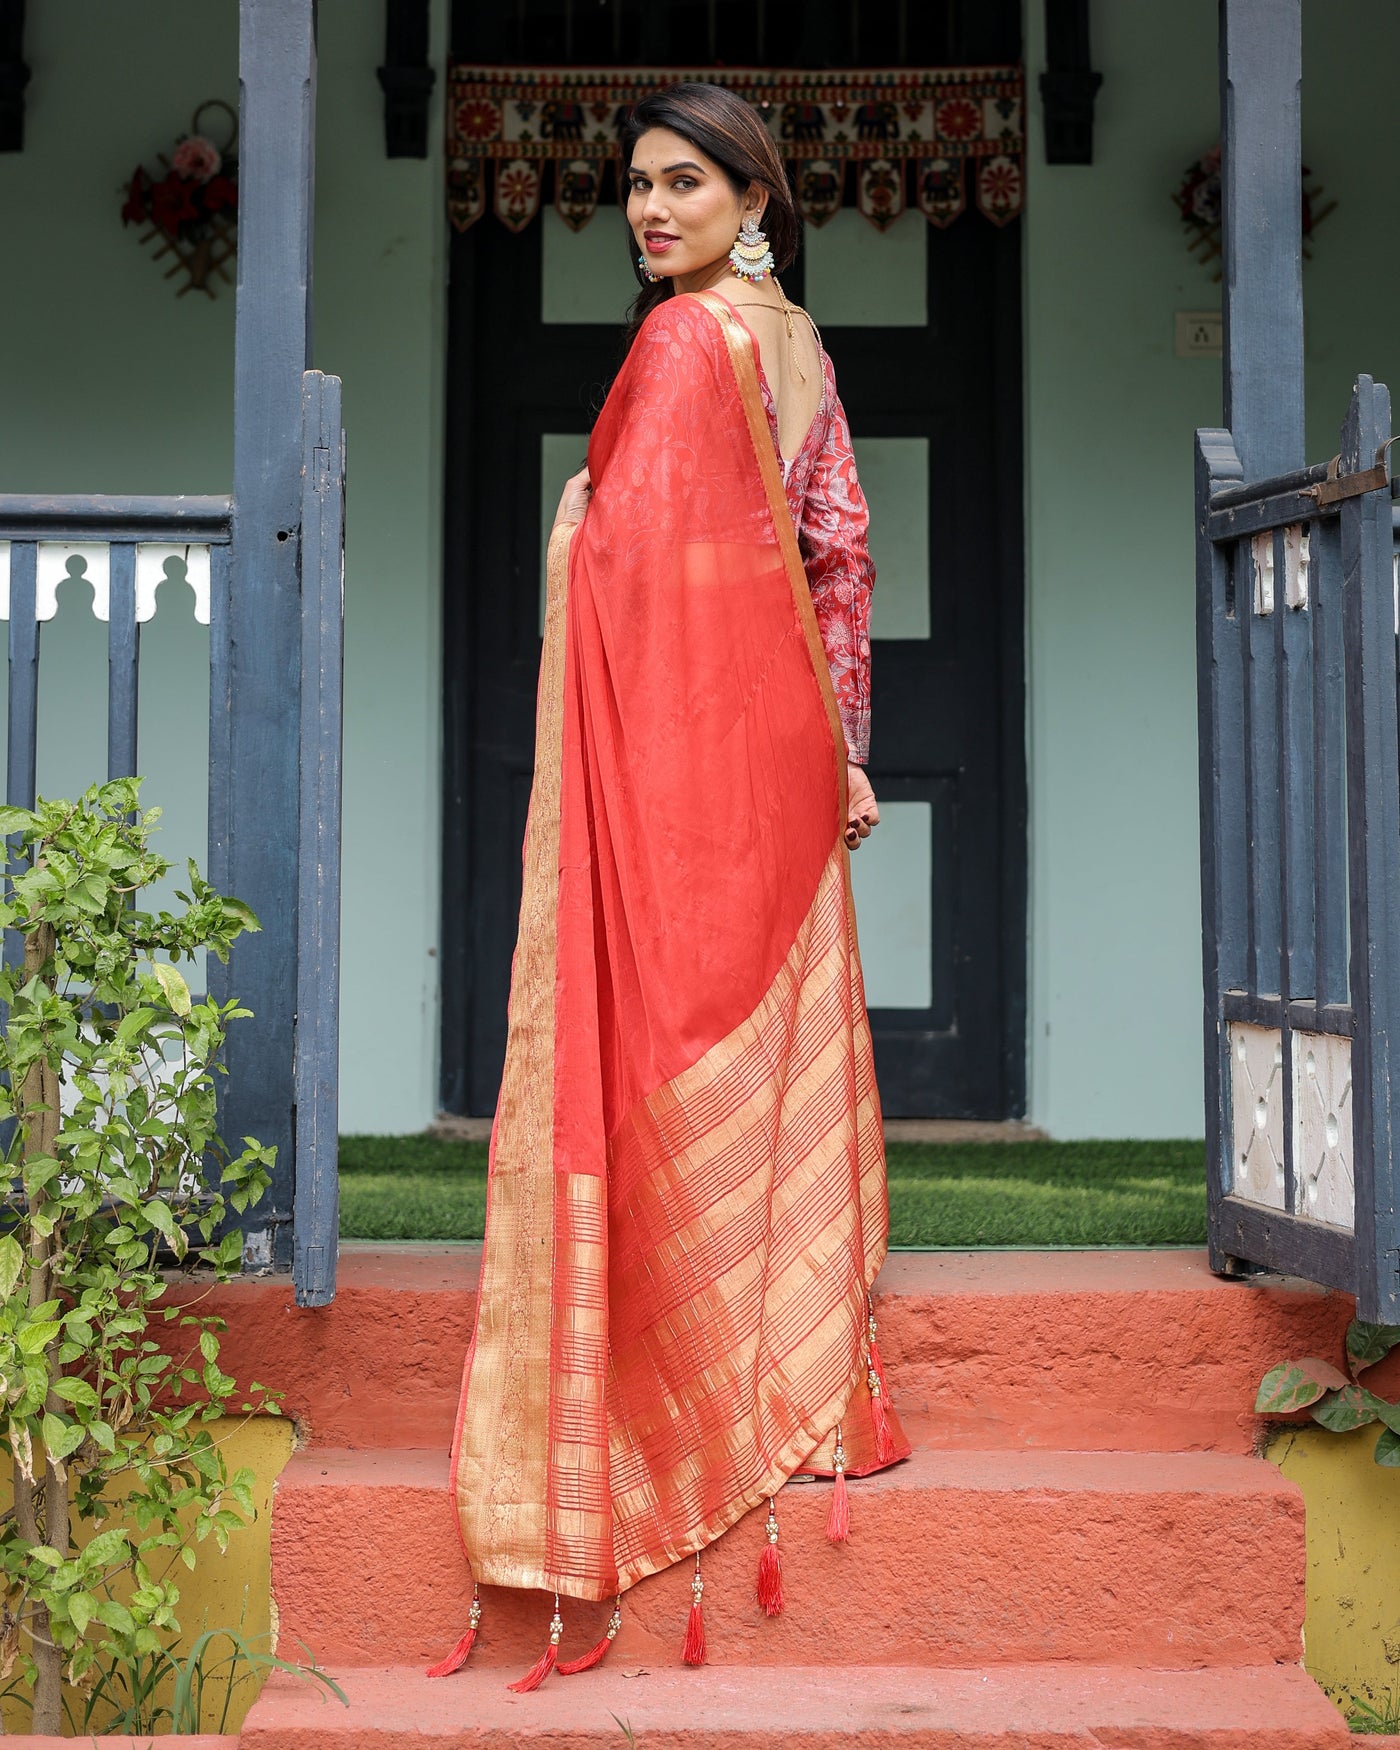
1199 334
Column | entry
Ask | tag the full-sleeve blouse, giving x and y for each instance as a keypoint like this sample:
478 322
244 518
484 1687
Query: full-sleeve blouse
831 518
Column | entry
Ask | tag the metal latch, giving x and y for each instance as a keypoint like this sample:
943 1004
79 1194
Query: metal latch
1338 485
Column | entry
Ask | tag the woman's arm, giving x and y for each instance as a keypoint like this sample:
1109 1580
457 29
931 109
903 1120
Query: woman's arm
836 556
574 499
832 536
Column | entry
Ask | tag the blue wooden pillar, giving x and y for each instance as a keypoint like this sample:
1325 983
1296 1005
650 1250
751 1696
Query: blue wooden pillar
256 630
1261 70
1261 177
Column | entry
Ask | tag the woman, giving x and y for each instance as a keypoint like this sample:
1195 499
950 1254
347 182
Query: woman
686 1201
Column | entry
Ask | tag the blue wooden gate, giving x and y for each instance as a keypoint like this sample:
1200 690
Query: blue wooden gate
1300 762
273 552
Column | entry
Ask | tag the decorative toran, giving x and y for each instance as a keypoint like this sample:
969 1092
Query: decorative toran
900 133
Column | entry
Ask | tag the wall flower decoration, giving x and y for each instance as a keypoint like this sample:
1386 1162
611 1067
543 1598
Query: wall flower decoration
1198 200
190 206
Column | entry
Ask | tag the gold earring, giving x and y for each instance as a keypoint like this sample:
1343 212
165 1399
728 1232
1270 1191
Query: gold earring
751 258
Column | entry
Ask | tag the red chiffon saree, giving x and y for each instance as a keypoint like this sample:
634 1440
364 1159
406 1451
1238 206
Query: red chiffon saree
686 1201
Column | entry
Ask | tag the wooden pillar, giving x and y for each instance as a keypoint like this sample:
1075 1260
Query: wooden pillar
256 631
1261 68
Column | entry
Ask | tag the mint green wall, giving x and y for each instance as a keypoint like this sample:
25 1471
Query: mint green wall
113 384
1115 1028
110 383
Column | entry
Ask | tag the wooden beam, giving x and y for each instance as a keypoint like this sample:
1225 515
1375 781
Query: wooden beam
1261 66
317 1202
14 75
1373 861
1069 84
406 78
255 607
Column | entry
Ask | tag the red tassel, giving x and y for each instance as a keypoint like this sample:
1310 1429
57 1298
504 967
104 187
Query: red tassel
770 1567
547 1660
693 1652
459 1654
595 1655
537 1673
879 1417
838 1523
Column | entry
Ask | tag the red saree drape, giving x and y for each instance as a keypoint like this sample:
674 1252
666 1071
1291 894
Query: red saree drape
686 1201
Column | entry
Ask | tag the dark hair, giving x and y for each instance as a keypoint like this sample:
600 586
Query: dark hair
728 131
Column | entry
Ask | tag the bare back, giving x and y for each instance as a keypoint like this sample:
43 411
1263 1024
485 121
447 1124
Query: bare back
792 364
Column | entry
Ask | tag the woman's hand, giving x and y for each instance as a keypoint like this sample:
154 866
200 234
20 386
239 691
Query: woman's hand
862 810
574 501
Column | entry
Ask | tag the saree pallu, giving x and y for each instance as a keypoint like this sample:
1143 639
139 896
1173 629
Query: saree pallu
686 1197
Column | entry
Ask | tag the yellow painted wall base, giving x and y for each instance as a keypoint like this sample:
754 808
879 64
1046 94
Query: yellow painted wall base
232 1589
1352 1632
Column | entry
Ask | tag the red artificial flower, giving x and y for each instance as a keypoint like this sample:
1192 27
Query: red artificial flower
134 212
220 192
171 203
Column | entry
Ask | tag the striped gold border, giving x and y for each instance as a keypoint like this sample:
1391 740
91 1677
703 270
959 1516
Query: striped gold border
501 1448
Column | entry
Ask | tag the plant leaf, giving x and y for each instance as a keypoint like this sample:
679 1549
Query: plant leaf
60 1437
1351 1407
1368 1344
1385 1412
107 1547
34 1339
1293 1385
75 1391
116 1616
1388 1449
172 982
11 1263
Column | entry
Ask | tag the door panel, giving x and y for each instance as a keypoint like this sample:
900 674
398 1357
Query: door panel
894 476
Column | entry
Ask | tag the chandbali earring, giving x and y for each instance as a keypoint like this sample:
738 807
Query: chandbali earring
751 258
647 274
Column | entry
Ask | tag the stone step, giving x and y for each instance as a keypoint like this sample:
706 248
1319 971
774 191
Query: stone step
1143 1351
1015 1707
956 1559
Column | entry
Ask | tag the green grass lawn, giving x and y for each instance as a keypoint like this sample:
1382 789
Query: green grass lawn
941 1194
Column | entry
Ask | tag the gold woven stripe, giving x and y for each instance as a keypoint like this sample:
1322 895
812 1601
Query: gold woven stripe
502 1461
756 1266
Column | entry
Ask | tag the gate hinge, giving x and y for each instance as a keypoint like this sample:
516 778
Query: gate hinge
1338 486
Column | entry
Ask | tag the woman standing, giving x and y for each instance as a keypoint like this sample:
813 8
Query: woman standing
686 1202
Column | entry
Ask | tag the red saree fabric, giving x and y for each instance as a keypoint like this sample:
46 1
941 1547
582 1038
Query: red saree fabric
686 1200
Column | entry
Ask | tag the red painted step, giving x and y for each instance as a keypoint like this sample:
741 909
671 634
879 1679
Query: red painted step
956 1558
1137 1351
1027 1707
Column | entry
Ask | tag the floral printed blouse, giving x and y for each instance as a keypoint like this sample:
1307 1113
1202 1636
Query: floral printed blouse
829 511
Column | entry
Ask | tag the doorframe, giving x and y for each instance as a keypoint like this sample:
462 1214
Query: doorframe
455 969
1008 388
1009 563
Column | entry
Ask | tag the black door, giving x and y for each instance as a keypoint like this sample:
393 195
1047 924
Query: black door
947 741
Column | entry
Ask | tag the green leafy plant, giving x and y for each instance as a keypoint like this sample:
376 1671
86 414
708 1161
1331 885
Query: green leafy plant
1369 1714
160 1691
1335 1400
114 1171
